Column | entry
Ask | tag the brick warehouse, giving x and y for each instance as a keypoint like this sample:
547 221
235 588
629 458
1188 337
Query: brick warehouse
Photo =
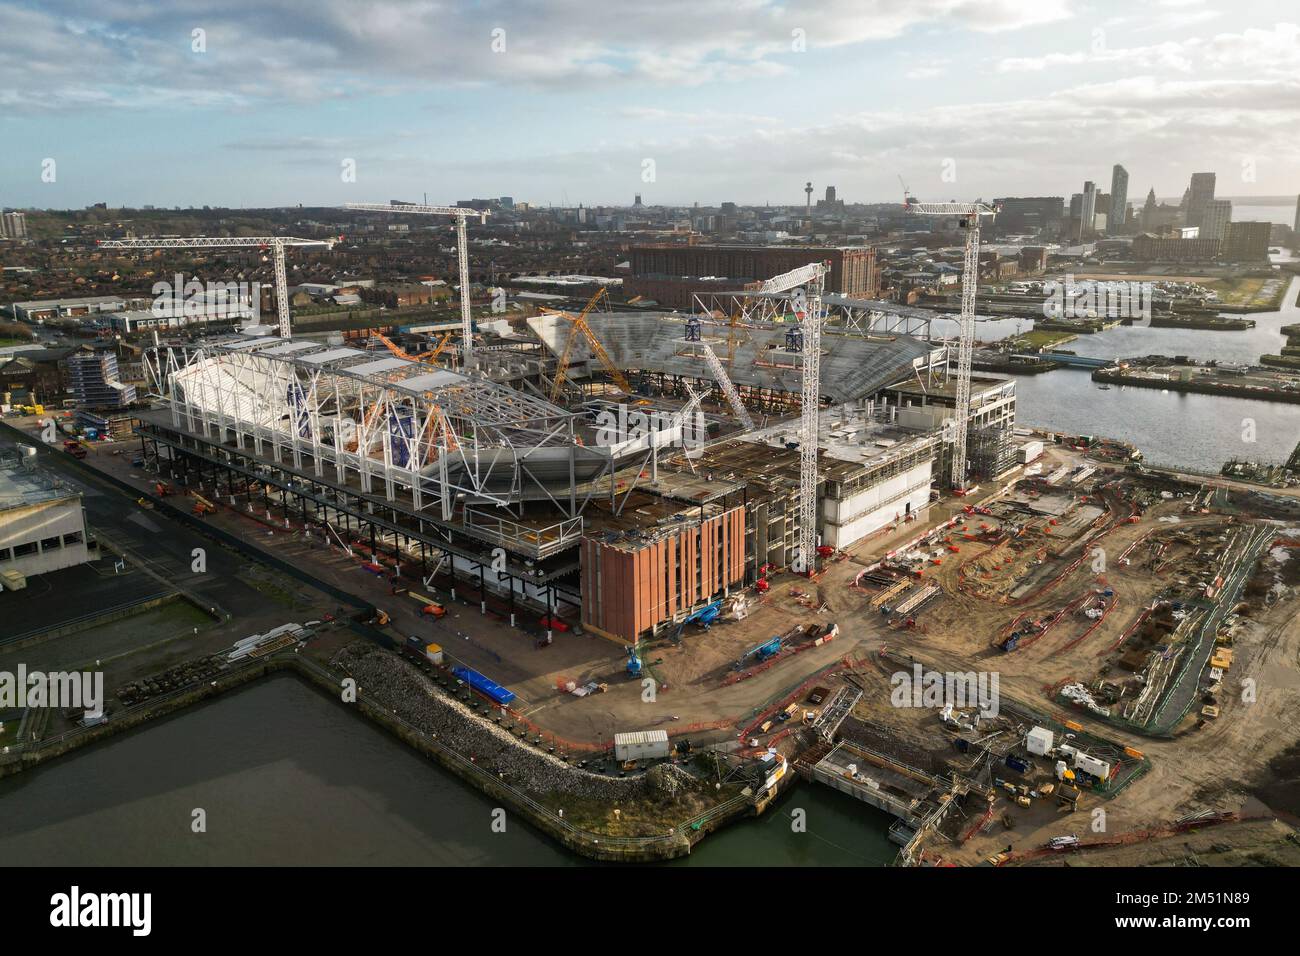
671 273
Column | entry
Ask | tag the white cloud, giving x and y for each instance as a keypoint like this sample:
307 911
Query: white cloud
59 53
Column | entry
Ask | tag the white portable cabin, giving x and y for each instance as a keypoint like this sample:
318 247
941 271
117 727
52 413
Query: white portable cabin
641 745
1039 741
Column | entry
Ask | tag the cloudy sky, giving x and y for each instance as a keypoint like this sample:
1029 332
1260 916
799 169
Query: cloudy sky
271 102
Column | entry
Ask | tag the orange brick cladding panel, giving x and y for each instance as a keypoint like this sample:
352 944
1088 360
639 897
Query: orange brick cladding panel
627 592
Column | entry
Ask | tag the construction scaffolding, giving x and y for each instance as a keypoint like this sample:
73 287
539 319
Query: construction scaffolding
992 451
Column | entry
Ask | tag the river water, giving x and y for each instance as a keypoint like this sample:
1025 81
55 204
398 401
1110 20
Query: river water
286 776
1181 431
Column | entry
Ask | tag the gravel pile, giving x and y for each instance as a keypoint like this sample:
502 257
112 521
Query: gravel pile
667 781
388 680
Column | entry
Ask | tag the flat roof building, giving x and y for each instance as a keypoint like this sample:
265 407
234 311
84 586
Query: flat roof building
41 309
42 522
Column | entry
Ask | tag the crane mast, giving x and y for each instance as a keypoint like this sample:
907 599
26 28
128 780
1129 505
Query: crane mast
810 408
969 214
460 214
276 244
803 287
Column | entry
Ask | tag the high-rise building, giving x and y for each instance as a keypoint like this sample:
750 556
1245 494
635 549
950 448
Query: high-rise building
830 195
1118 212
1214 221
1199 194
1089 208
13 225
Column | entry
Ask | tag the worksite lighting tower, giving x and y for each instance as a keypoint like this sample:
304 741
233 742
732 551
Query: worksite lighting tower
969 218
803 287
276 244
460 214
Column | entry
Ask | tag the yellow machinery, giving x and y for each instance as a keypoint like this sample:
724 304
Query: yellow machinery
400 352
580 326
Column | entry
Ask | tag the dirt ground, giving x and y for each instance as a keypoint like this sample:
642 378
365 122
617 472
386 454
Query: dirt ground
1246 760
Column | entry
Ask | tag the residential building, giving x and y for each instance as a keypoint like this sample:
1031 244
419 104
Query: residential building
1118 210
94 381
13 225
1088 210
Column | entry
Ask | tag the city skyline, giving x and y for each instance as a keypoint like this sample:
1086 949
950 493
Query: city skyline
205 108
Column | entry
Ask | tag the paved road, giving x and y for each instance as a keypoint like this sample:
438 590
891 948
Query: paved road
161 544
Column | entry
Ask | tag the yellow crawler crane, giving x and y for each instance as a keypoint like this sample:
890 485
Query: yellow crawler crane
580 326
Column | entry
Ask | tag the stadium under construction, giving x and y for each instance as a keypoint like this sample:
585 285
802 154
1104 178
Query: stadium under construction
620 479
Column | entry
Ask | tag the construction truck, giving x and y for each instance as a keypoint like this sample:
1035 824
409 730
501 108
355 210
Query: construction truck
202 506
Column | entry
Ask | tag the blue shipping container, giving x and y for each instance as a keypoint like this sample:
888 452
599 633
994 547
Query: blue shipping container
488 688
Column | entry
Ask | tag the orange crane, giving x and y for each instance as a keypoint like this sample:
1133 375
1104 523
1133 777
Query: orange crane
437 419
580 326
422 356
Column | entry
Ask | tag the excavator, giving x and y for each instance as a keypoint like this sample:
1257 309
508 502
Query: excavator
580 327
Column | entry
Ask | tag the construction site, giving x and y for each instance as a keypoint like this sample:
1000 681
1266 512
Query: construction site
755 528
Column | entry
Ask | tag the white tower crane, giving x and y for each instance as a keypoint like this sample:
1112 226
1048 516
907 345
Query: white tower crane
969 213
276 244
805 285
460 214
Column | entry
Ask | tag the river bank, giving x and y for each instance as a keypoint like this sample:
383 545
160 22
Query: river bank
482 767
289 775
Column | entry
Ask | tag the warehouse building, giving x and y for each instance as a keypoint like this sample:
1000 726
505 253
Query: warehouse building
42 523
672 274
